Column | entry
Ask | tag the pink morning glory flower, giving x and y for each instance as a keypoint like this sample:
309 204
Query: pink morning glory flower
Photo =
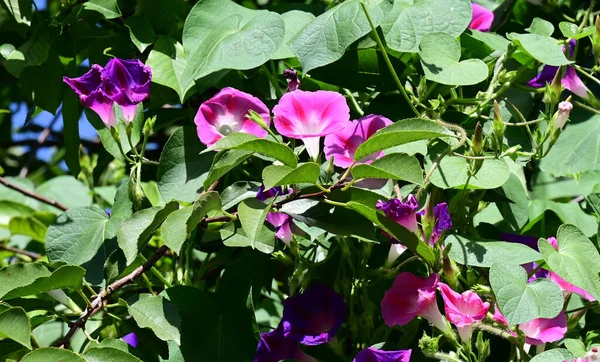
481 18
463 309
226 113
411 296
274 347
314 316
278 219
376 355
570 80
310 115
540 330
126 82
544 330
342 145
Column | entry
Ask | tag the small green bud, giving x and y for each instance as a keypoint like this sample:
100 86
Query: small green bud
596 39
149 126
477 140
429 345
483 347
554 90
499 127
256 118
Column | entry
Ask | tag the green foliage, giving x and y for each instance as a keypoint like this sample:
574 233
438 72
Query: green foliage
486 253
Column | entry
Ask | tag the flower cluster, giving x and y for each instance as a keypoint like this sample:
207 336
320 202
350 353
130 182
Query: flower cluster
124 82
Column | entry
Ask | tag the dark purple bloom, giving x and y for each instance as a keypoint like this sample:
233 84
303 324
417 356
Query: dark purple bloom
131 339
443 222
530 241
570 80
314 316
274 347
92 94
376 355
404 213
292 79
126 82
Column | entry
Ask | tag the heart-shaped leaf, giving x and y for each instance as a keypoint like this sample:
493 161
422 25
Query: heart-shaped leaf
440 58
520 301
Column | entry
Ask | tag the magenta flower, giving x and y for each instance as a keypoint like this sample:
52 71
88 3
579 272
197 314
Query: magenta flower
342 145
544 330
570 80
314 316
131 339
92 94
481 18
463 309
376 355
225 113
126 82
411 296
278 219
274 347
404 213
310 115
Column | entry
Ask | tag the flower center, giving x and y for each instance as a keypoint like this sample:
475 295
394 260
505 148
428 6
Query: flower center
225 130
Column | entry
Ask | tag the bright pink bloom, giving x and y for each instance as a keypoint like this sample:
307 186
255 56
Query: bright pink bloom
499 317
572 82
377 355
543 330
278 219
342 145
310 115
463 309
481 18
411 296
225 113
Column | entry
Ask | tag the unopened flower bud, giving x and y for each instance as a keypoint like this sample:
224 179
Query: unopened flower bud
292 78
149 126
562 115
554 90
477 140
256 118
596 39
592 355
483 347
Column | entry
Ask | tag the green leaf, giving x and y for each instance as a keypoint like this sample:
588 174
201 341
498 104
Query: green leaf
575 150
109 354
67 190
108 8
553 355
542 48
30 226
570 30
399 133
494 41
141 33
237 192
576 347
248 142
33 280
182 169
519 301
14 324
168 60
20 10
569 212
408 21
224 162
486 253
295 21
515 213
52 354
541 27
325 39
33 52
235 236
453 172
576 260
178 226
282 175
158 314
440 58
135 232
252 214
76 235
396 166
240 39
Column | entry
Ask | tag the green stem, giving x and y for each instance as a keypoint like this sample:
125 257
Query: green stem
442 357
591 305
148 284
388 62
586 74
156 273
272 80
354 102
536 270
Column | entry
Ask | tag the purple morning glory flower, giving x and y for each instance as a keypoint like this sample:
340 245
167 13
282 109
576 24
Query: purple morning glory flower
126 82
274 347
92 94
570 80
376 355
443 222
404 213
314 316
292 78
131 339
